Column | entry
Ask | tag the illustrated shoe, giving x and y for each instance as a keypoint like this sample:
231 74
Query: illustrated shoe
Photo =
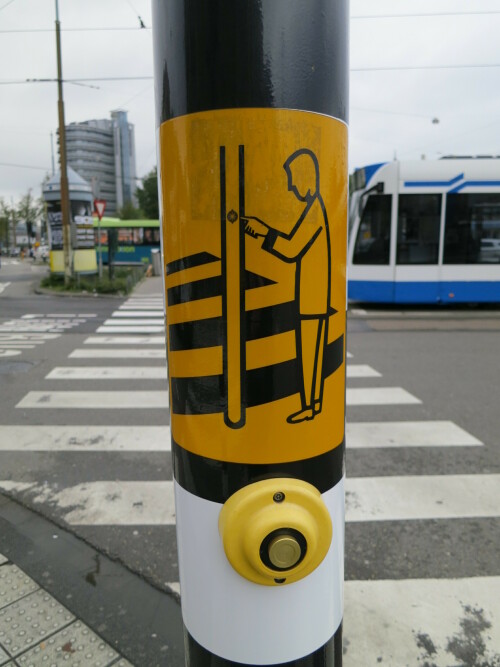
301 416
318 406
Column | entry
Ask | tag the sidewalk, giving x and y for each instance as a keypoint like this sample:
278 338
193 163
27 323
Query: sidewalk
148 287
64 603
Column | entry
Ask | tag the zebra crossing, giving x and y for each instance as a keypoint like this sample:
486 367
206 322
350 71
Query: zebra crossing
388 621
32 330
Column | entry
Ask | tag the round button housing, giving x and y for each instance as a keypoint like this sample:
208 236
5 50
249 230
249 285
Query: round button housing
276 531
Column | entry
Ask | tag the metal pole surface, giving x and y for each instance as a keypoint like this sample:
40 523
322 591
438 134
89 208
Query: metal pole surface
65 208
100 247
251 101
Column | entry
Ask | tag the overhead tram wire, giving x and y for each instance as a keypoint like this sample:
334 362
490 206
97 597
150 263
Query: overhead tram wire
424 15
406 68
104 29
353 18
389 68
6 4
23 166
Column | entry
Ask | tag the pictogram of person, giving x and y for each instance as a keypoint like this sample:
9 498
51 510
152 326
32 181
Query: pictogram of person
308 245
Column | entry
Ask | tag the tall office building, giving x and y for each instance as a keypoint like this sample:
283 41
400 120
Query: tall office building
103 153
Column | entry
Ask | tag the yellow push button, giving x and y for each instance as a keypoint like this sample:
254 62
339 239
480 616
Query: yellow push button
276 531
284 552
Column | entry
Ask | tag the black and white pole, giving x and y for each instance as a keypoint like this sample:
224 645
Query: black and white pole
252 99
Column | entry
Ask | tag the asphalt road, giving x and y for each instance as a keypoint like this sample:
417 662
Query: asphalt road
84 432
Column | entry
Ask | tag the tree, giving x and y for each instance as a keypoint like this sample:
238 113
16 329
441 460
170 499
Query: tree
129 212
4 224
30 209
148 195
9 219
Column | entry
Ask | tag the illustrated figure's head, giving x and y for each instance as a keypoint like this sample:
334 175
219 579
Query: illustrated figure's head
302 170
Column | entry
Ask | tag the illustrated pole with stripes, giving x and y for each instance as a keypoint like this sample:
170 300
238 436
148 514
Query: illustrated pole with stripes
251 101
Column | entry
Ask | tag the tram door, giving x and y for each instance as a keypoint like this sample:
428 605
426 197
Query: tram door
417 271
371 275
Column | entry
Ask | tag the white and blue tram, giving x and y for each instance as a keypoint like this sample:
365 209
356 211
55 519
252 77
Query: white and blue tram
425 232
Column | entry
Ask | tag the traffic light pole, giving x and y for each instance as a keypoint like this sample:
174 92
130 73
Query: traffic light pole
252 102
65 209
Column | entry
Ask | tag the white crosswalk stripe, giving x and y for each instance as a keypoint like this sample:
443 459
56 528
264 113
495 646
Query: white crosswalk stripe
108 373
380 396
95 400
157 399
367 499
85 438
130 329
416 621
408 434
422 497
116 353
132 322
106 503
361 371
153 308
138 313
125 340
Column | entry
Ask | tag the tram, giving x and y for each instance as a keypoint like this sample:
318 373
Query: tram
425 231
135 239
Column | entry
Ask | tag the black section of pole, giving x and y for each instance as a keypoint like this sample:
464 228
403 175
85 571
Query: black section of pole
224 54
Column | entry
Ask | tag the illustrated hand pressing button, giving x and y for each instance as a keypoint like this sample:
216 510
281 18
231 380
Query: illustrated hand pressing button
254 226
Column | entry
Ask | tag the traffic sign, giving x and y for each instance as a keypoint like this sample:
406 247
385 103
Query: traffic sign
100 207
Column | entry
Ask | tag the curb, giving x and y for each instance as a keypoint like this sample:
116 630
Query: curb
48 292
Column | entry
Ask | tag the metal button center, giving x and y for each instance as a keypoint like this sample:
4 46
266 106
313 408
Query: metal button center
284 551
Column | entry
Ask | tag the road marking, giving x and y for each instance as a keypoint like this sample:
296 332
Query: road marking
39 323
93 353
408 434
95 400
125 340
85 438
144 303
108 372
348 355
151 307
380 396
125 322
157 438
3 287
422 497
106 503
361 371
127 329
368 499
417 621
357 311
10 353
20 346
34 337
138 313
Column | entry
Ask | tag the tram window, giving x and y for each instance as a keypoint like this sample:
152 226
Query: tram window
125 235
374 234
138 235
472 231
419 218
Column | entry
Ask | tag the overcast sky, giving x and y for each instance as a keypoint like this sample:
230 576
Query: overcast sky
391 111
